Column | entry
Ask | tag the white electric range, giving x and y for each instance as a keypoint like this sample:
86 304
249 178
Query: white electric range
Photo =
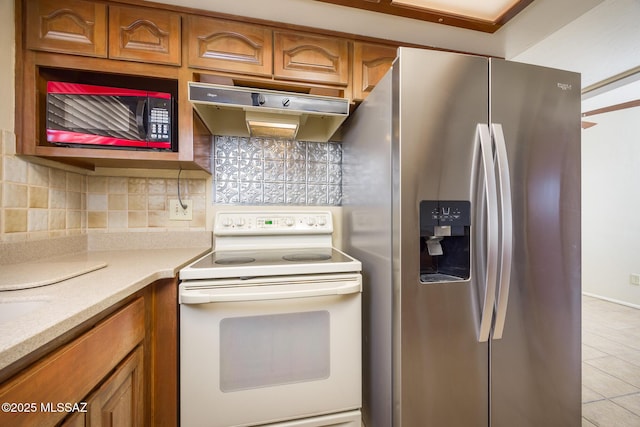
270 325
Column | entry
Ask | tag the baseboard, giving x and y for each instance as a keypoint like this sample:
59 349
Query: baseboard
628 304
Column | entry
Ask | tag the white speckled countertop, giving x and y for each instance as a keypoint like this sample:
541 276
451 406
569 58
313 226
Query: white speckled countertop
64 305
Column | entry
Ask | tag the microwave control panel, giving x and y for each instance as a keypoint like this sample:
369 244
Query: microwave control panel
159 119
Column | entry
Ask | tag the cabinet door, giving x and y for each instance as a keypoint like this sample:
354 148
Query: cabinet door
311 58
68 26
215 44
119 400
77 419
370 63
145 35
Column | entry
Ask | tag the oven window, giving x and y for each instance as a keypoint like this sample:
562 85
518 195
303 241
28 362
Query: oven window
261 351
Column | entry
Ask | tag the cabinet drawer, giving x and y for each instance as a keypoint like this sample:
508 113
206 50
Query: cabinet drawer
69 26
311 58
216 44
145 35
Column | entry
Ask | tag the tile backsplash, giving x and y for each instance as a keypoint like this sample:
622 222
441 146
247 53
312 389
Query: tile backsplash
41 202
142 204
36 201
265 171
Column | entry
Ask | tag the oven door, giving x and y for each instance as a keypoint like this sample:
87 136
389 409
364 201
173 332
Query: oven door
262 353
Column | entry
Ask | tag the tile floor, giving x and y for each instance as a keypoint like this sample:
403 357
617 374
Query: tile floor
610 364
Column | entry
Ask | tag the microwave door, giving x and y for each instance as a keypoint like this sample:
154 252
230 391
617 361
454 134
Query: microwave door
122 117
105 120
125 116
88 115
94 120
76 114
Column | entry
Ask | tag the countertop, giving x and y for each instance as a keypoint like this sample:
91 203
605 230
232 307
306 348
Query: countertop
64 305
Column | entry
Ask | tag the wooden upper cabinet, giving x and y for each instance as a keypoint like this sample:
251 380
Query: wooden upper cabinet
370 63
216 44
311 58
69 26
145 35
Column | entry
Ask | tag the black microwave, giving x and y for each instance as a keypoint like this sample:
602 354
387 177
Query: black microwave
100 116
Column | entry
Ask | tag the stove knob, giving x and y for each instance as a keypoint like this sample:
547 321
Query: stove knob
227 222
311 221
289 222
322 221
240 222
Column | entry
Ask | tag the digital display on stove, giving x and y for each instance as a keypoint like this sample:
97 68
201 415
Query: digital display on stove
270 222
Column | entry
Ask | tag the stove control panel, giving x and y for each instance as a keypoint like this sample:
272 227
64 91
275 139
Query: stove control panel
270 223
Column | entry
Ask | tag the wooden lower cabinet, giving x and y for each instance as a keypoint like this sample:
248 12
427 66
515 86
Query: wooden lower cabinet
119 401
78 419
121 372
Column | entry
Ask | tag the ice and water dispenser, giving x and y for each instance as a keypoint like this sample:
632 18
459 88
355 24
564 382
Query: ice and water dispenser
444 240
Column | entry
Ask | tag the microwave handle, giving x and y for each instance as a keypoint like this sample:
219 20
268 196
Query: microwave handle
141 108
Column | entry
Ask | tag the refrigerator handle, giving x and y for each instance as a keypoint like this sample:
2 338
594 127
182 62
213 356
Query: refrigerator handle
506 245
483 143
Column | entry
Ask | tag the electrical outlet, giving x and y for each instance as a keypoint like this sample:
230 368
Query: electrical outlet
176 213
634 279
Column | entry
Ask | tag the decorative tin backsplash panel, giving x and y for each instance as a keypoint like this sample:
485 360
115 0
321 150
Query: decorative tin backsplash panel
264 171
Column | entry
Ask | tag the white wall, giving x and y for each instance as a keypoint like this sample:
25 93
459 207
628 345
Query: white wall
611 205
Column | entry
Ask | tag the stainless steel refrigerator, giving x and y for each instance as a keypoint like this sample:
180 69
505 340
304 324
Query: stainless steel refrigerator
461 197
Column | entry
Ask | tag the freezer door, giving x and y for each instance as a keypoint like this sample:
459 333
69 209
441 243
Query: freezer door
441 368
535 366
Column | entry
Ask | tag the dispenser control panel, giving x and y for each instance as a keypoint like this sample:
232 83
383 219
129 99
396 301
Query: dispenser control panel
444 212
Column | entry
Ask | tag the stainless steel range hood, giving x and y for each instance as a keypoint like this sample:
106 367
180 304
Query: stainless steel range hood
240 111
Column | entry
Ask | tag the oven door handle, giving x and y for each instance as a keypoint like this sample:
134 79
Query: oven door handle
239 294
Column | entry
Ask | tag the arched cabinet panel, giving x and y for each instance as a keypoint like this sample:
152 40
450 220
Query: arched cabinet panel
311 58
215 44
145 35
69 26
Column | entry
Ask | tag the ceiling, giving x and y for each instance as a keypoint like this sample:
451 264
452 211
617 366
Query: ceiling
486 15
598 38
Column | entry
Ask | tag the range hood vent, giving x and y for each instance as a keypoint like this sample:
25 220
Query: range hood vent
240 111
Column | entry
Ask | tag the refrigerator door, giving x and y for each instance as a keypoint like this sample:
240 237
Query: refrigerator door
535 366
441 369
